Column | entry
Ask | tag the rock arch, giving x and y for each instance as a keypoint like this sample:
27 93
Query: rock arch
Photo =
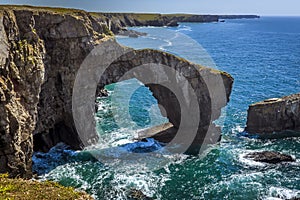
191 95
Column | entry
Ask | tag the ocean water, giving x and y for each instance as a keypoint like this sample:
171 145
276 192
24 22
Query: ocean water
263 56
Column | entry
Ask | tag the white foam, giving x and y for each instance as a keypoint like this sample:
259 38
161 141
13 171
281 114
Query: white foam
281 193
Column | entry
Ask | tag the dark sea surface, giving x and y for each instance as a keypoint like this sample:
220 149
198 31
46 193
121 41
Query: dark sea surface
262 55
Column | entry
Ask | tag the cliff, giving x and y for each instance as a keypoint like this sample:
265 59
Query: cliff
119 21
239 16
274 115
42 51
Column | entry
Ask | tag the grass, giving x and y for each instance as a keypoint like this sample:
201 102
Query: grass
147 17
40 8
30 189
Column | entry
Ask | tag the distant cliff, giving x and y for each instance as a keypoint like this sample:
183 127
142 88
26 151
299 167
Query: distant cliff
118 21
238 16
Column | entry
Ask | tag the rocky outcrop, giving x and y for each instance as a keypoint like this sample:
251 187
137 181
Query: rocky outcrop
131 33
270 157
274 115
42 50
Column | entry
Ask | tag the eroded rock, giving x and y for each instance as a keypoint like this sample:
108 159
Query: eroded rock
270 157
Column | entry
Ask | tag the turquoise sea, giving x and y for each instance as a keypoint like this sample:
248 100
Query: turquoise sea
263 56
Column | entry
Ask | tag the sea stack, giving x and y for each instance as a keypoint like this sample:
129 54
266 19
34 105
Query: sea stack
274 115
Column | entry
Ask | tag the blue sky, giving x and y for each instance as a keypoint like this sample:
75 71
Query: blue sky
261 7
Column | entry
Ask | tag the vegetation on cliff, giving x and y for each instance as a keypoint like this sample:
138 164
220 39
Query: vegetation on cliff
30 189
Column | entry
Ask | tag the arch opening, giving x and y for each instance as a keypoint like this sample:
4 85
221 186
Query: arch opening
127 114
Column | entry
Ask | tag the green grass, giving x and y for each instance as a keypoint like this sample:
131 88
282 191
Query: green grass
29 189
34 8
137 16
147 17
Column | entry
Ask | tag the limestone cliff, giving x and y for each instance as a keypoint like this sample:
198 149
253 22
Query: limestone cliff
274 115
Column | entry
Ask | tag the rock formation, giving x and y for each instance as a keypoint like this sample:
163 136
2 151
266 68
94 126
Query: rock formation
274 115
270 157
42 50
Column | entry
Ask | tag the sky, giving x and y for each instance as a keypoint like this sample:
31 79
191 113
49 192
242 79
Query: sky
260 7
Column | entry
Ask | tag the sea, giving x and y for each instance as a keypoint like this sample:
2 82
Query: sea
263 57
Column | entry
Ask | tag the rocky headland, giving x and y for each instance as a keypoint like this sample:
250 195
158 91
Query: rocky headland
42 50
117 22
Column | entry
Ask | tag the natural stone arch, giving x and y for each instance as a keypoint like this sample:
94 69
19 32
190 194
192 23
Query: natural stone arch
210 87
193 73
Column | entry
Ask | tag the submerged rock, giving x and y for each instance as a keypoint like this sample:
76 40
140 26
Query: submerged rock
274 115
270 157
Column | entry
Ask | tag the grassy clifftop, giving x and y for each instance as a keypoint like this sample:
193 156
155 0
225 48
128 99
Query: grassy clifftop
36 8
29 189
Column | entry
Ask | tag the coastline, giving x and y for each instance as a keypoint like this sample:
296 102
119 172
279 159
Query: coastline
121 26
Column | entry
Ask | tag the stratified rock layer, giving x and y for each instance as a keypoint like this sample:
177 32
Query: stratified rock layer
274 115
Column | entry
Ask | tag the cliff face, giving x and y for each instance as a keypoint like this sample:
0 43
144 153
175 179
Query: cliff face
40 55
22 74
274 115
41 51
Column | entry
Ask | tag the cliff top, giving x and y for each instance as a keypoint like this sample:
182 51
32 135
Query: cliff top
293 97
